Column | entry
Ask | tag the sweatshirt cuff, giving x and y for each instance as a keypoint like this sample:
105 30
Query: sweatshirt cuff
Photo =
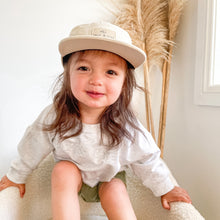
15 178
163 187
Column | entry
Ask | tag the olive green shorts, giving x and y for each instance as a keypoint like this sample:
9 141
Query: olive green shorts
91 194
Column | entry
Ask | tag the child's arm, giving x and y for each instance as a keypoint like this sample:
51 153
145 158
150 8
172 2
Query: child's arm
5 183
177 194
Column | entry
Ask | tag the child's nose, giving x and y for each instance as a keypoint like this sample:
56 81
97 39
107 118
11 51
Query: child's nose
96 79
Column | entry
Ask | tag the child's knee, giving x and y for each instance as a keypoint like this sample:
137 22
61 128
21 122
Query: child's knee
65 172
112 188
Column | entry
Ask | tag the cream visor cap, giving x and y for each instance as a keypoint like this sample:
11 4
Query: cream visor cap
102 36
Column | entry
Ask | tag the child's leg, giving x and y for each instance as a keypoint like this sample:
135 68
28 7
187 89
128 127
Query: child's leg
66 182
115 200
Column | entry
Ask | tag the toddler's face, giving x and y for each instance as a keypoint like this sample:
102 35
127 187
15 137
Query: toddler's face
96 79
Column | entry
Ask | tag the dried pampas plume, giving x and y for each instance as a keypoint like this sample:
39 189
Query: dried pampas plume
146 22
174 13
154 18
127 19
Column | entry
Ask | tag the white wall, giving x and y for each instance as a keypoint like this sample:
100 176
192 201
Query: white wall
29 63
192 141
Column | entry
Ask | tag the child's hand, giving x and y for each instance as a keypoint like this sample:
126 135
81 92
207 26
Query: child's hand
176 195
5 183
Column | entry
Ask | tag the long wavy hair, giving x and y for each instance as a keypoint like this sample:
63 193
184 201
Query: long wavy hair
113 121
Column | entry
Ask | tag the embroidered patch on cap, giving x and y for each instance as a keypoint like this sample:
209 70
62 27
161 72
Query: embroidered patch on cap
101 32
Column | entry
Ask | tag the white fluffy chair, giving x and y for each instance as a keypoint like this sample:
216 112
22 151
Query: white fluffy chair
36 203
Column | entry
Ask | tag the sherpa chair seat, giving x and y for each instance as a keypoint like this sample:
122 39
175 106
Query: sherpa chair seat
36 203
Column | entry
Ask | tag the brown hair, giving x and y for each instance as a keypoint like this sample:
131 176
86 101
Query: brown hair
113 121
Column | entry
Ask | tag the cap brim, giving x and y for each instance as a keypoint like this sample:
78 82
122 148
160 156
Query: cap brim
131 53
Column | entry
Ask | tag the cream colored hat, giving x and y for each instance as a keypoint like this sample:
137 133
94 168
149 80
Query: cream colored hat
102 36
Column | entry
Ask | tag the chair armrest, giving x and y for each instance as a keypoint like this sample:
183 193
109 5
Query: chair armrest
10 203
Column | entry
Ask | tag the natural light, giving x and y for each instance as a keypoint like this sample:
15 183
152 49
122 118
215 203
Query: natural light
207 66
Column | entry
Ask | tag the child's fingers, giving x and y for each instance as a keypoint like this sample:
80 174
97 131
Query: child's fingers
22 190
165 204
181 195
175 195
4 183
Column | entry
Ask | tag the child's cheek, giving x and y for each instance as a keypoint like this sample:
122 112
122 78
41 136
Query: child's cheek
115 92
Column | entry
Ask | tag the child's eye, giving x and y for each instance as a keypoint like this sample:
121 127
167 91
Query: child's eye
111 72
83 68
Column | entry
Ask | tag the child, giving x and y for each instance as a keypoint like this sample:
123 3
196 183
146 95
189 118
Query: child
92 131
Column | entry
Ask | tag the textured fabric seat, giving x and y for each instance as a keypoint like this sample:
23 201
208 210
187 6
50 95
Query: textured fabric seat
36 203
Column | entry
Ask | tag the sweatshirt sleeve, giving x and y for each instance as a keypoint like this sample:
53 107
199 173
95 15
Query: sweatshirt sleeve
35 145
148 165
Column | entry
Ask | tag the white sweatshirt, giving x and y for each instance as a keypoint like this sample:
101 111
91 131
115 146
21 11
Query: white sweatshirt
96 162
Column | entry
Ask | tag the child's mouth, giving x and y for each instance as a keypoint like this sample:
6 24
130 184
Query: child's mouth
94 94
